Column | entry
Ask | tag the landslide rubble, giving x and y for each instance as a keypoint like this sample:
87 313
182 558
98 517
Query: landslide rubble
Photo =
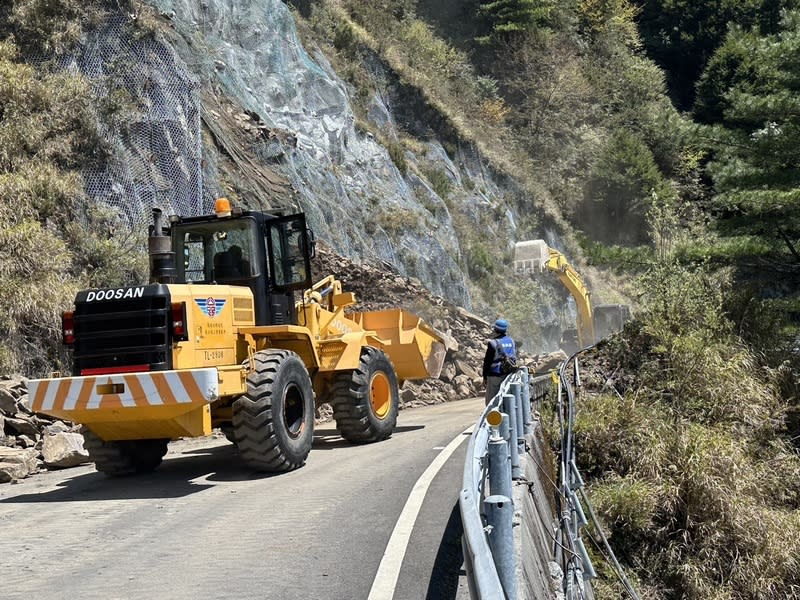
466 334
31 442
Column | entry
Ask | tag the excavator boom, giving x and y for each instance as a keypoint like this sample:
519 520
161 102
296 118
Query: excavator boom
535 256
594 322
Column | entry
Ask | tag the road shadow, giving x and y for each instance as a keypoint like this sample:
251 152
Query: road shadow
447 568
173 479
407 428
329 438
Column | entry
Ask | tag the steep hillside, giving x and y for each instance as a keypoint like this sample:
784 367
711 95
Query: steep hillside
185 101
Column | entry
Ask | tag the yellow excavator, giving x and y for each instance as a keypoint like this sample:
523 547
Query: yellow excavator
593 322
231 333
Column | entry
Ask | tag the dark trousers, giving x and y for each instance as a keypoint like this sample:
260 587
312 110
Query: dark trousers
493 386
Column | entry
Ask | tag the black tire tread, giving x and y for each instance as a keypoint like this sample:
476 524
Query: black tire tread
253 425
124 457
351 403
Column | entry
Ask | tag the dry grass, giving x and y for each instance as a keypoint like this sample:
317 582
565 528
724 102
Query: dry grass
697 487
51 241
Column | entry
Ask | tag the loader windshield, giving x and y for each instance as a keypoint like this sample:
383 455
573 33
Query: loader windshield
215 251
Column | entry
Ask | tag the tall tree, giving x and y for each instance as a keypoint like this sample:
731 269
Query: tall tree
503 18
620 191
682 35
756 166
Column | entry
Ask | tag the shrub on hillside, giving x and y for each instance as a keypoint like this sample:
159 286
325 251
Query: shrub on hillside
52 26
697 486
51 241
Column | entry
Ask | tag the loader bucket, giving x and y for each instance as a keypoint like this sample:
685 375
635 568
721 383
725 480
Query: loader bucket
414 347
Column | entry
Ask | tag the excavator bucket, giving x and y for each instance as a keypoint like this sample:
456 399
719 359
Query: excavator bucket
531 256
415 348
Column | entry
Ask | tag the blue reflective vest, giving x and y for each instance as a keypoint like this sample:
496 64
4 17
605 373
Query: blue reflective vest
505 345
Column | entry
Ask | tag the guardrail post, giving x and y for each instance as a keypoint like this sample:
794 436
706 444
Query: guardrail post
500 523
499 468
526 400
504 431
515 389
511 410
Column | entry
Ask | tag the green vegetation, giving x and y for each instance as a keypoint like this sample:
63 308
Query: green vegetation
682 35
439 181
503 18
690 459
53 26
689 462
755 144
51 242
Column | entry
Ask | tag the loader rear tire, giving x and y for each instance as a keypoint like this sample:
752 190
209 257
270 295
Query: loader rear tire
273 423
124 457
366 400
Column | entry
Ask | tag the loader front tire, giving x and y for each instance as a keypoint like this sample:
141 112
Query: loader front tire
366 400
124 457
273 423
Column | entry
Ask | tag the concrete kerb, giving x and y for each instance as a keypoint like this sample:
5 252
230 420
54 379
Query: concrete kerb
538 575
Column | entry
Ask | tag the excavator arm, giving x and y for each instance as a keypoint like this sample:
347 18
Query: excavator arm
535 256
558 264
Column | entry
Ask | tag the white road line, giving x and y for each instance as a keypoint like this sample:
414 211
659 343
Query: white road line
385 580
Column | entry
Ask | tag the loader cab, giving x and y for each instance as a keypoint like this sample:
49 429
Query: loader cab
269 254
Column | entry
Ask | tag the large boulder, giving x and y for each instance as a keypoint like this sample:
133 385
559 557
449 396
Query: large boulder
27 439
64 449
8 403
22 425
17 463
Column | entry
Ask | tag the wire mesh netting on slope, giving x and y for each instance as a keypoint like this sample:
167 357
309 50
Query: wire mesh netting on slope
148 111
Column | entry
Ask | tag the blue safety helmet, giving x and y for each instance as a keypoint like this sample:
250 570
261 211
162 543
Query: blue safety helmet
500 325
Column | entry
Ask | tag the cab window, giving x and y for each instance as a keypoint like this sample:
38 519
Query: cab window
215 251
287 241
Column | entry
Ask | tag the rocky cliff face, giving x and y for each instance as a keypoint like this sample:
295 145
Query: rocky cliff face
232 103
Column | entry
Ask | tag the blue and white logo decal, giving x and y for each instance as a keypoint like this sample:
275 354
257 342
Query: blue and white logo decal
211 307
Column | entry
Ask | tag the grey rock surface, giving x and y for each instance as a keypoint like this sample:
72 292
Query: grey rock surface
64 449
354 195
232 95
17 463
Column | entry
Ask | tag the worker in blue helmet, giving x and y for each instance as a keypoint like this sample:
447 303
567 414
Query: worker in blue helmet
500 353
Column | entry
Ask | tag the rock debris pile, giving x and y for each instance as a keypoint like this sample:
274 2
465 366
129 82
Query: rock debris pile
466 334
30 442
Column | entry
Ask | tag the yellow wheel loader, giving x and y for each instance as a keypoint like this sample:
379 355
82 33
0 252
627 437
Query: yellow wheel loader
230 333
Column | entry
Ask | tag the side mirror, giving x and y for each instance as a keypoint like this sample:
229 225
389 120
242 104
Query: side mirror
312 240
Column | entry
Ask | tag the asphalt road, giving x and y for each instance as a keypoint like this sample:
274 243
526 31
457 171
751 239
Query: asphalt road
205 526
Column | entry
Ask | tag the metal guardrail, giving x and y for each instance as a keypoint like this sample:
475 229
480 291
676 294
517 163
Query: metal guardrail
487 511
493 461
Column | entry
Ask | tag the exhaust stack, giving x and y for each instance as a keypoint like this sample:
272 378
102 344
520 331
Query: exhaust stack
162 258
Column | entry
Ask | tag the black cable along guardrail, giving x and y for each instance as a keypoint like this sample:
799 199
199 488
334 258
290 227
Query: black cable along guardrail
570 552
